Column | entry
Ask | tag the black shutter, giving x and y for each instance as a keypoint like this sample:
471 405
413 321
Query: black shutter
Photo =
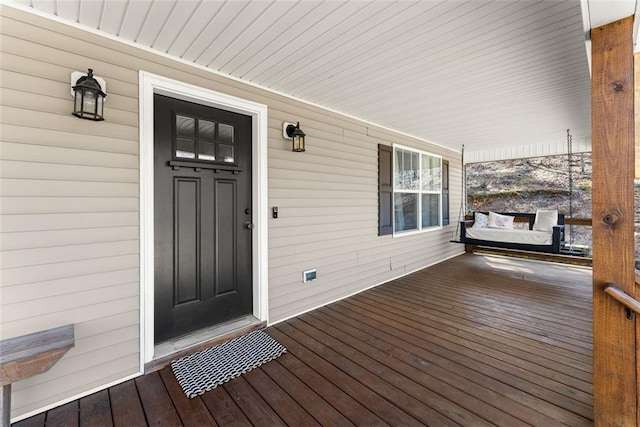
385 190
445 192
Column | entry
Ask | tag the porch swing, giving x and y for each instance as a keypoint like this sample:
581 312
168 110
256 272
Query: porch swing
545 232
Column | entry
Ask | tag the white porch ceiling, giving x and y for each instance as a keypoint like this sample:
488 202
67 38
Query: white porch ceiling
486 74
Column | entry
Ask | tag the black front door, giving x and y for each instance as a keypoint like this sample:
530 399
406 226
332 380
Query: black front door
202 215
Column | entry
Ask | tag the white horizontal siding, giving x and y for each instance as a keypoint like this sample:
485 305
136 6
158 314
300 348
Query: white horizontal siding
343 246
66 221
41 273
69 200
41 256
63 122
50 137
66 156
70 191
58 188
67 286
30 205
79 314
62 304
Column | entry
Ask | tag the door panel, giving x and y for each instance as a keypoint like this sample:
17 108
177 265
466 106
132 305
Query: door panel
226 213
203 265
186 235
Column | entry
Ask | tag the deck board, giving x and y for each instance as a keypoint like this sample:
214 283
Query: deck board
488 373
476 340
489 340
334 406
431 390
384 409
95 410
285 406
126 407
156 402
223 408
192 412
65 415
35 421
379 379
440 368
252 404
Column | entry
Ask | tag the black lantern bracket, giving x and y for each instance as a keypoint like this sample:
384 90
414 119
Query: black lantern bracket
89 93
293 132
75 76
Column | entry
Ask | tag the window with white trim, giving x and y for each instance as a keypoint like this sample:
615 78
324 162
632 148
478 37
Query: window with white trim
417 190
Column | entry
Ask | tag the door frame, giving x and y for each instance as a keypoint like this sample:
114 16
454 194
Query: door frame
150 84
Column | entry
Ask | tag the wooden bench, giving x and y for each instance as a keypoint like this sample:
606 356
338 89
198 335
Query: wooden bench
28 355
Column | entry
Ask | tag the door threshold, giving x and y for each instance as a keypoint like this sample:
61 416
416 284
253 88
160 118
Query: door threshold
164 353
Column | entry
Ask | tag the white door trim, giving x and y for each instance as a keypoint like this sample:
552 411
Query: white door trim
150 84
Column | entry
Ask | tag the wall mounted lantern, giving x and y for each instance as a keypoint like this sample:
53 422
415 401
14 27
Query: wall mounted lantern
293 132
88 96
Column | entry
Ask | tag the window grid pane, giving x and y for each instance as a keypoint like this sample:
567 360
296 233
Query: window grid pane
225 133
431 173
185 148
226 153
407 175
207 151
206 129
185 126
203 140
430 210
417 190
406 211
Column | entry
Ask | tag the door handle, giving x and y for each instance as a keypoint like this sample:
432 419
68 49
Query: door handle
248 225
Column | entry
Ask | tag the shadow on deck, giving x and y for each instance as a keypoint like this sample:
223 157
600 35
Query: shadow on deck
476 340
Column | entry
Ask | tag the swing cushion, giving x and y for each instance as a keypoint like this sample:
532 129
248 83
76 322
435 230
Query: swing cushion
504 222
480 220
524 237
545 220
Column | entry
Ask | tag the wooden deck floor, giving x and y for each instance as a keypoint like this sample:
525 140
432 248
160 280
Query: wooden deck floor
473 341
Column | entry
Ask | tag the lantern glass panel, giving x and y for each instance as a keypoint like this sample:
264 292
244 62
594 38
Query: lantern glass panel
298 143
100 109
78 102
89 102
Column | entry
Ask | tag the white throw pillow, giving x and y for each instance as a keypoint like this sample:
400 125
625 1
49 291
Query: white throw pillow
481 220
500 221
545 219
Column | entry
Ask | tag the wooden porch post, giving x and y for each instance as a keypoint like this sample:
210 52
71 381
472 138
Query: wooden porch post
612 89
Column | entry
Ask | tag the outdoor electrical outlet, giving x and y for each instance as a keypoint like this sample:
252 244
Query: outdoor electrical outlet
309 275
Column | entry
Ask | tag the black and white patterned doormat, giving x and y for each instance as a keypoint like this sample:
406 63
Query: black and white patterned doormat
206 370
